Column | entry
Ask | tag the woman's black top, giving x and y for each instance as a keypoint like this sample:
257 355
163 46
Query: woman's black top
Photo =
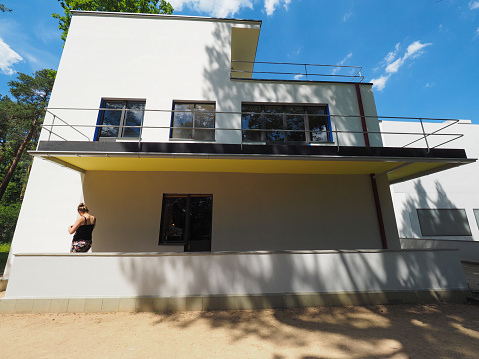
84 232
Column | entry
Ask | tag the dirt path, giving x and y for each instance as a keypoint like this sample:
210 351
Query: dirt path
432 331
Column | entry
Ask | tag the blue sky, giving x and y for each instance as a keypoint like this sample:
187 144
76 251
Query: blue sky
422 56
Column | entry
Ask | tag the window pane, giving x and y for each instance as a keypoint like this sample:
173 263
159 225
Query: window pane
173 227
183 119
200 218
111 118
251 121
204 118
134 117
274 121
443 222
476 214
295 121
318 123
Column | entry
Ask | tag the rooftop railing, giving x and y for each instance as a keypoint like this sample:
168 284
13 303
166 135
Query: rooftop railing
332 134
263 70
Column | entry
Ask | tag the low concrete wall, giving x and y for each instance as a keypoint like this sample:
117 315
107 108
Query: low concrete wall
225 302
467 250
116 275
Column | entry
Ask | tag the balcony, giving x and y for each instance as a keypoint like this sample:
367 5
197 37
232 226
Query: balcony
289 71
338 149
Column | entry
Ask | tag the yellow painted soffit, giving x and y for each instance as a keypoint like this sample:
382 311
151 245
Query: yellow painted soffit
227 165
244 42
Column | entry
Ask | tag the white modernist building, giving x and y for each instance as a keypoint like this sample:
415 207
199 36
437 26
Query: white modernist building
439 210
214 186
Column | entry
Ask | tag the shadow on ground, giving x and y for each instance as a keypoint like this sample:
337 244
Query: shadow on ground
399 331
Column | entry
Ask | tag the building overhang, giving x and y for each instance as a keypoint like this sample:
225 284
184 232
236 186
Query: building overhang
244 42
399 164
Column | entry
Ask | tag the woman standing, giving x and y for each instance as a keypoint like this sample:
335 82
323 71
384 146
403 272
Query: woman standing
83 228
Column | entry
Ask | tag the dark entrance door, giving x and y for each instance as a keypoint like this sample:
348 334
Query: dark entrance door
186 219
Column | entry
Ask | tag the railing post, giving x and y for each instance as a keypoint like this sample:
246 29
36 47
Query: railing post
337 134
424 134
306 71
51 127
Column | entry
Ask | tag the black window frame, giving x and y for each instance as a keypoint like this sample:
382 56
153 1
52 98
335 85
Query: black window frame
186 238
193 128
307 130
427 230
123 118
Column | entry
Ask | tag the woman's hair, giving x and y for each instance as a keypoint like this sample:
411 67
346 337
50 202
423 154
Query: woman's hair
83 208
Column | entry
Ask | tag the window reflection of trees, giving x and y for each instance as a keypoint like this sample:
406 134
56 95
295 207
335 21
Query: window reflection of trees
197 120
119 116
285 123
186 218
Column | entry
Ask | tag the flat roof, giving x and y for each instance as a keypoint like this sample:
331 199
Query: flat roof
176 17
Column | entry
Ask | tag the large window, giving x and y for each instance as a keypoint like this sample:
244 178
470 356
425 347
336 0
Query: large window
186 219
285 123
121 118
443 222
193 121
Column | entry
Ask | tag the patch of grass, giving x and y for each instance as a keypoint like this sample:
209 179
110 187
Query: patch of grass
4 249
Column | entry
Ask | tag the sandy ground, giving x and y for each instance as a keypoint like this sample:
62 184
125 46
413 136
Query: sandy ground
426 331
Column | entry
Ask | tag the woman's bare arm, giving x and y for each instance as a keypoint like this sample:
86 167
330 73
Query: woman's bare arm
73 228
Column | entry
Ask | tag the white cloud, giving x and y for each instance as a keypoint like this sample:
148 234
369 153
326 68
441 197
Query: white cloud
298 76
391 55
8 58
473 5
220 8
341 63
476 34
347 15
393 65
414 49
270 5
226 8
380 83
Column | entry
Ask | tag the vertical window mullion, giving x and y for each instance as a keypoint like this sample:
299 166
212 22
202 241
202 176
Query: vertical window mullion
187 223
306 124
193 124
285 125
263 125
121 129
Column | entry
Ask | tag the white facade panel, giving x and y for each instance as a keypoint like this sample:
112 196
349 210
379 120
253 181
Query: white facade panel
160 60
128 275
456 188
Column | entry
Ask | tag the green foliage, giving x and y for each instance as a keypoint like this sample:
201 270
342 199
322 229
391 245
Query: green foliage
132 6
8 221
19 129
3 8
4 249
34 90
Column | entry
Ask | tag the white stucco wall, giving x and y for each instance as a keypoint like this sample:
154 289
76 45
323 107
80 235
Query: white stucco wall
49 207
250 211
454 188
161 59
176 275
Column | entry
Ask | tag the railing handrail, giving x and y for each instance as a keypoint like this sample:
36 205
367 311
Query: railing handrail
329 130
295 63
306 73
378 117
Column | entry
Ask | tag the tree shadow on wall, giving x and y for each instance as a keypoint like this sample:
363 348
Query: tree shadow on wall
345 329
229 94
424 200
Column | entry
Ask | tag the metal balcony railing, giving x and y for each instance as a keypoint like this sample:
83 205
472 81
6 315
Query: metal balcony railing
335 133
263 70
